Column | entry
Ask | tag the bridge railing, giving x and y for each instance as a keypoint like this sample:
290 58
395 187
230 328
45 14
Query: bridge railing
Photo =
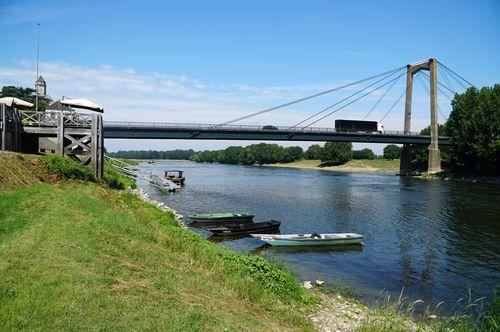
212 127
51 119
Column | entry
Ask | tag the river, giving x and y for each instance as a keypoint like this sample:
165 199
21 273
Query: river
434 239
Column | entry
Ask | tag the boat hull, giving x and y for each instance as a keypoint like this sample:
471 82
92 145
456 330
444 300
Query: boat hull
257 228
222 218
310 240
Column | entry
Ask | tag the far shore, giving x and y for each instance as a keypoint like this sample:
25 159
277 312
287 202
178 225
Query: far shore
352 166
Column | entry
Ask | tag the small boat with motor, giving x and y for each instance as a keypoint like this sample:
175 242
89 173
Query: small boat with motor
221 217
314 239
258 227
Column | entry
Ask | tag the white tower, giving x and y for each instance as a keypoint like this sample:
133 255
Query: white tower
41 86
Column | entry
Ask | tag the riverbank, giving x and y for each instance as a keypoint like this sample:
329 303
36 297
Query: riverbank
77 255
359 166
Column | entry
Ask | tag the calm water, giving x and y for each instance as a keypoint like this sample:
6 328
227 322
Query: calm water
436 239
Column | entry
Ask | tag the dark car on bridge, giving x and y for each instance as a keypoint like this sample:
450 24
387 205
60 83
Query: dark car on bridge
270 127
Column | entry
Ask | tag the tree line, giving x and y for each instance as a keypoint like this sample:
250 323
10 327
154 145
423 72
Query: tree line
177 154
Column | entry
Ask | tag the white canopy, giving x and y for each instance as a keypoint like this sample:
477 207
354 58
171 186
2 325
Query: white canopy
82 103
15 102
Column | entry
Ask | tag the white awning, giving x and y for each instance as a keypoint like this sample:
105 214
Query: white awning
82 103
15 102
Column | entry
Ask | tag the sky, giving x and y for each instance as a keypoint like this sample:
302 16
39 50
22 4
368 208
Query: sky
213 61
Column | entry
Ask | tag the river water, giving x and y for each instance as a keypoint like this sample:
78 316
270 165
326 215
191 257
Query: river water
434 239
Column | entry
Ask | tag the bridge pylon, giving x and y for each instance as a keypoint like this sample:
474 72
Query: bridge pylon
434 163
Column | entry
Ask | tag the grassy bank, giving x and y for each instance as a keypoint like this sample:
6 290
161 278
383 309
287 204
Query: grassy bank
365 165
77 255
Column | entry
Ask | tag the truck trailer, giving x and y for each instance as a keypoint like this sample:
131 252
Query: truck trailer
358 126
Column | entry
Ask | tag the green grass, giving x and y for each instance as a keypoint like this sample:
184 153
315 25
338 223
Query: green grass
130 162
78 256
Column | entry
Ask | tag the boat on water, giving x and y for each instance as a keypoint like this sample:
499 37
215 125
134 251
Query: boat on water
310 239
162 184
176 176
221 217
258 227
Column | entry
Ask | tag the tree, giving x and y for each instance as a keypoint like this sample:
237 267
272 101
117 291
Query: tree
314 152
337 152
292 153
392 152
420 153
363 154
26 94
474 129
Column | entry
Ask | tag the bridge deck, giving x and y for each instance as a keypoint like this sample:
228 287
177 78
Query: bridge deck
145 130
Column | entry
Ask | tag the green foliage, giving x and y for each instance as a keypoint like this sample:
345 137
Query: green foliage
314 152
392 152
253 154
420 153
152 154
337 152
116 180
363 154
66 168
26 94
474 128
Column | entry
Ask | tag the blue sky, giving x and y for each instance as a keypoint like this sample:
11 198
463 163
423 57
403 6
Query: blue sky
207 61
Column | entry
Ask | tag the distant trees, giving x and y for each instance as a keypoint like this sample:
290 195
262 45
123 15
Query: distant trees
337 152
315 151
253 154
474 128
392 152
363 154
152 154
26 94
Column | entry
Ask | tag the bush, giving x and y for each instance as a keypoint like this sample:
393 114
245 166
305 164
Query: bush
392 152
67 168
337 152
114 179
314 152
363 154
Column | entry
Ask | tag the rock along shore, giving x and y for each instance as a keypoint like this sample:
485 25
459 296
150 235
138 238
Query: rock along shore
141 194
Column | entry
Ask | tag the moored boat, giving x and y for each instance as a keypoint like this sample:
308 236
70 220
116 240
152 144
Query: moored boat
310 239
259 227
221 217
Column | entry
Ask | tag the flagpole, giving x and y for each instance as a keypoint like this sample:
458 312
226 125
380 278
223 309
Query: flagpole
37 58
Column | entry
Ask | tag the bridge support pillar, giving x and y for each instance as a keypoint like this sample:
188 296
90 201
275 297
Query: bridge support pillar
434 163
405 167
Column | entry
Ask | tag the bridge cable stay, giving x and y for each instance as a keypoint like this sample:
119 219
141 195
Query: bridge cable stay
393 105
366 94
419 77
450 70
344 99
439 84
446 78
440 90
380 99
311 96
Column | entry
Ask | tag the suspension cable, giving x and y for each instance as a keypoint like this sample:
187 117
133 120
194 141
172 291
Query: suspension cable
344 99
445 76
427 89
366 94
380 99
310 97
424 73
442 64
393 105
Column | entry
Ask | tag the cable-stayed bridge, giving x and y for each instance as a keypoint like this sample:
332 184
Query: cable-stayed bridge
81 136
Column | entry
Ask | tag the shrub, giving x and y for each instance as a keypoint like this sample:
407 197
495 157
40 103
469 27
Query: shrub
115 179
392 152
67 168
